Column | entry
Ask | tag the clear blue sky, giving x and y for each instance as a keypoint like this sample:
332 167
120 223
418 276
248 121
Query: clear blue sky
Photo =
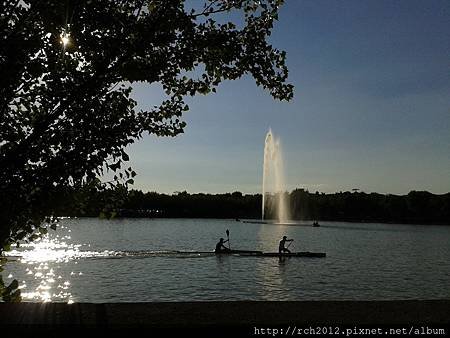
371 108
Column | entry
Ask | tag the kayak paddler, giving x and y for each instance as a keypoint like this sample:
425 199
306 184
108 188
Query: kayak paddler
281 247
220 247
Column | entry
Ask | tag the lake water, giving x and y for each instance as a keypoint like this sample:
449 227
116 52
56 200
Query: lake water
129 260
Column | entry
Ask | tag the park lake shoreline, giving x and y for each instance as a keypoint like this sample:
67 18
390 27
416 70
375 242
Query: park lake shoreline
417 207
292 222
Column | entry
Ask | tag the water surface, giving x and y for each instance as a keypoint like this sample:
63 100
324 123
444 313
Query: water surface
131 260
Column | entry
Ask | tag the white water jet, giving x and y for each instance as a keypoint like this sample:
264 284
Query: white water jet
273 177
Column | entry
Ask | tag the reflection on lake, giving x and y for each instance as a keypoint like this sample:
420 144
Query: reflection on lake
92 260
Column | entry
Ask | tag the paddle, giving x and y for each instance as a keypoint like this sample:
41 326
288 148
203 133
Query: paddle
289 244
228 237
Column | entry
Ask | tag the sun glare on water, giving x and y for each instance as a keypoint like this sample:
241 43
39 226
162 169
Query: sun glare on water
43 282
47 267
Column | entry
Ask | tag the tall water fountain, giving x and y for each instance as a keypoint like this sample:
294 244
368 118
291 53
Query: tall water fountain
273 178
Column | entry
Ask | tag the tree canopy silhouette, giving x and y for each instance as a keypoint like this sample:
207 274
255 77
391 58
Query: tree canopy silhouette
66 75
417 207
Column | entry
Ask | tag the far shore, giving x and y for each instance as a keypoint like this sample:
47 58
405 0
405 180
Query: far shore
271 221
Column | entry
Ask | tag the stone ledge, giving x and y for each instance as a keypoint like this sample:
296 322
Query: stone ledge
219 316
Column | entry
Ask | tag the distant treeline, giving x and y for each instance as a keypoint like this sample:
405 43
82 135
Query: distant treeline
415 207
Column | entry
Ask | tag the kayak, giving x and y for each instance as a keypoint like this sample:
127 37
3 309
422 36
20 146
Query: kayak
225 252
259 253
295 254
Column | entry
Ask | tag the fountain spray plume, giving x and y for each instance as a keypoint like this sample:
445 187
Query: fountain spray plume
273 177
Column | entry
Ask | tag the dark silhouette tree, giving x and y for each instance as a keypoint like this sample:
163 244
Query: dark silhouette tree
66 74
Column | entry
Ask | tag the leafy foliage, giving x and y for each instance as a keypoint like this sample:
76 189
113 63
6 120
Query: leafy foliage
10 293
66 75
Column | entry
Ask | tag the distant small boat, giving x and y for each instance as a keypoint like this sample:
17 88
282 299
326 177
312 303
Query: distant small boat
255 222
316 224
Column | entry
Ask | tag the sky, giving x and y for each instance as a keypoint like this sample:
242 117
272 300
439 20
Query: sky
371 108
